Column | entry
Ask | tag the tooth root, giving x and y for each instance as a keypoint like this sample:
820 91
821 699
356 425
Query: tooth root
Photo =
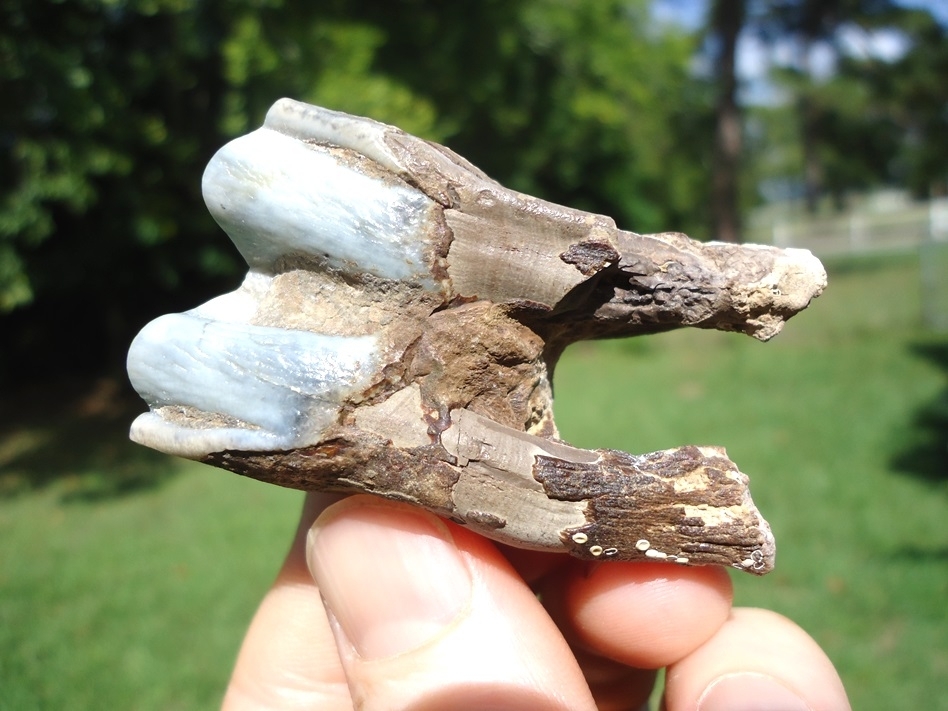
509 248
687 500
666 281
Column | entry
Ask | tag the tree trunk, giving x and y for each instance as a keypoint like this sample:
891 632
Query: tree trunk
726 22
810 120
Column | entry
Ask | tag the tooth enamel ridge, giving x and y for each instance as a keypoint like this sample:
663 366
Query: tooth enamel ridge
396 331
285 386
276 195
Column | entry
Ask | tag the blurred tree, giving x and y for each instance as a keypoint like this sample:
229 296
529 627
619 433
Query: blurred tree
727 22
112 110
813 24
907 105
90 180
869 106
587 103
113 107
852 141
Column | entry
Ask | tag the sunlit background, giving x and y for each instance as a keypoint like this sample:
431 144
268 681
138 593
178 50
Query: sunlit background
127 578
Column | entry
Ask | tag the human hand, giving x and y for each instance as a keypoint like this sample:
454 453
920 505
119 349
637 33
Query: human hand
383 606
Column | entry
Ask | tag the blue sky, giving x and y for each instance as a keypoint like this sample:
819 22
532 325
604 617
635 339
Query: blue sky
754 57
691 13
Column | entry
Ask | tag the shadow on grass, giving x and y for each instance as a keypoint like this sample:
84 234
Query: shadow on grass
75 435
921 554
926 455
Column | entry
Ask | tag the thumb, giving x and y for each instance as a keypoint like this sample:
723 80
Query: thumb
427 615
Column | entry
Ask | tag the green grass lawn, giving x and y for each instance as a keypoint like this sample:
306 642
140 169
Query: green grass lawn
127 578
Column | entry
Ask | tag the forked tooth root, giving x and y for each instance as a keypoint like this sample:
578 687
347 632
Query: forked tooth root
396 331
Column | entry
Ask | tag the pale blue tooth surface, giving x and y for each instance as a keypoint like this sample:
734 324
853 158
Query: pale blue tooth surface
283 387
238 306
276 195
152 430
307 122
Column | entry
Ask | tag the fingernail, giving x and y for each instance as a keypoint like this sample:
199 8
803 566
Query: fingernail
391 576
749 692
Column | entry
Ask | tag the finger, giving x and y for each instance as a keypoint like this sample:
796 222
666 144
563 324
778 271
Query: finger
624 620
288 659
532 566
428 615
643 615
758 659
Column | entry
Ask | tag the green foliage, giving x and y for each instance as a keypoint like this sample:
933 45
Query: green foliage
91 180
316 57
113 107
584 103
854 139
621 102
911 96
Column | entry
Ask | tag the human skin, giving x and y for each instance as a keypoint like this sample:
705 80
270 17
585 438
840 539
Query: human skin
382 606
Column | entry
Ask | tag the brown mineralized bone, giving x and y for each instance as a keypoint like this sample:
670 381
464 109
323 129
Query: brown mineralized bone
397 332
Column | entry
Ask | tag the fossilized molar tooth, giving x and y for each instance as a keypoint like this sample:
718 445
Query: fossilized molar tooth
397 331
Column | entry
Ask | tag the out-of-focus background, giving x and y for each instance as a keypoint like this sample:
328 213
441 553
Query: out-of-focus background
127 578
